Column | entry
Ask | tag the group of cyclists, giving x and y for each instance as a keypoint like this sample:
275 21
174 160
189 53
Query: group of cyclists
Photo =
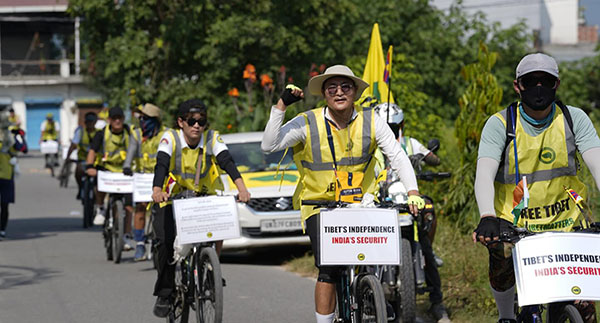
333 148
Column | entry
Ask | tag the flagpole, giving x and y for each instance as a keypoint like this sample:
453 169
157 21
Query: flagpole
389 54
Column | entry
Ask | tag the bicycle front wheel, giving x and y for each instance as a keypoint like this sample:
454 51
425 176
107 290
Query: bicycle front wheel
567 313
208 287
118 213
371 301
87 196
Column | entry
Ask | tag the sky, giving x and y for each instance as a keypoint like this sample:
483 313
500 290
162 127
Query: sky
592 11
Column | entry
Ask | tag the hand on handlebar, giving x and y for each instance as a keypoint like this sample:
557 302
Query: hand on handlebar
91 172
243 196
158 196
415 202
487 230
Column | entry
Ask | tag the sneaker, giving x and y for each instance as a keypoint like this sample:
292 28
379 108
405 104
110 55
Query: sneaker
438 310
438 261
128 242
140 252
2 235
99 218
391 314
161 307
507 321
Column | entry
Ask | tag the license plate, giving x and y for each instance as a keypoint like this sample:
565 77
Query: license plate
280 225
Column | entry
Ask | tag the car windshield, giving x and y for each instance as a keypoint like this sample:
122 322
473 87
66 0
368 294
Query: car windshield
249 157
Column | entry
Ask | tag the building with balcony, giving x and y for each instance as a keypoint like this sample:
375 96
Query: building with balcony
40 65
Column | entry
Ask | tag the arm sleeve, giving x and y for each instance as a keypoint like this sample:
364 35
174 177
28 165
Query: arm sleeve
96 144
77 135
395 154
493 139
484 184
131 151
591 157
586 136
218 146
277 137
161 169
227 164
165 145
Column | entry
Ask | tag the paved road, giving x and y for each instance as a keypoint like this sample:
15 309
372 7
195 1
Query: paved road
53 270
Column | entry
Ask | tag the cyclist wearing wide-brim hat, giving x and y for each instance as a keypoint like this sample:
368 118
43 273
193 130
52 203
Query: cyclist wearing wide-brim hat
143 146
188 158
355 133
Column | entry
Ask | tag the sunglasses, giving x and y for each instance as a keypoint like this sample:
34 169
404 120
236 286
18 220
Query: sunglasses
332 88
547 81
191 122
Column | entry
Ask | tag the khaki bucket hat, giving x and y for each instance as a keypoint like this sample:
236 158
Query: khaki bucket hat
315 84
150 110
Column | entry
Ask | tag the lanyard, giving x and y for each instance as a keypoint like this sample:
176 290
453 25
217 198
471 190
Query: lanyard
513 125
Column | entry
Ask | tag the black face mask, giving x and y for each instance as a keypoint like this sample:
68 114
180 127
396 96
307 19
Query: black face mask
538 97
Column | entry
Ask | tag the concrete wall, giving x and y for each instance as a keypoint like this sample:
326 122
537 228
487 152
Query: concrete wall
68 112
557 20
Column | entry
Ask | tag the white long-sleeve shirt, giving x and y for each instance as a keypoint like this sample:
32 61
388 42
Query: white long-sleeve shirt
278 137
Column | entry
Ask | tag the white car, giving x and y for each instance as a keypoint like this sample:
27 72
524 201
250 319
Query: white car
269 218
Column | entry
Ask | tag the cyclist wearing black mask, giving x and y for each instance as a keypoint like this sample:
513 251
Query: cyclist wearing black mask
539 137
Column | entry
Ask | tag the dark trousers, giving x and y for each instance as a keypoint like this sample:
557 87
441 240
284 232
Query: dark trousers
3 216
164 229
432 276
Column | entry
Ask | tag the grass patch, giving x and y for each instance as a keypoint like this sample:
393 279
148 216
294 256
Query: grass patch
304 265
464 275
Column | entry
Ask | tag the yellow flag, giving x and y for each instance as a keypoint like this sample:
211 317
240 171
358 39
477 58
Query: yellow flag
375 69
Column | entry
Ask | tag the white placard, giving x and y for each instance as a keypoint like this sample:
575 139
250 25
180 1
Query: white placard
557 266
142 187
110 182
49 147
73 156
359 236
207 218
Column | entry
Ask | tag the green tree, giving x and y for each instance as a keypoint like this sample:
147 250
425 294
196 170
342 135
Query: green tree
481 99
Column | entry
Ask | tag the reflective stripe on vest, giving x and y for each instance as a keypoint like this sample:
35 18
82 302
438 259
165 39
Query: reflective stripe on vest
178 168
317 164
148 152
506 175
548 161
84 144
112 155
354 147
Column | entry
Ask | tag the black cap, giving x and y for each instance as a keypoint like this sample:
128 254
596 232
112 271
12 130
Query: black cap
115 112
192 105
91 116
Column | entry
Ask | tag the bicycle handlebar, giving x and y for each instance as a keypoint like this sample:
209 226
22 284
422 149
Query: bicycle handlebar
401 207
517 234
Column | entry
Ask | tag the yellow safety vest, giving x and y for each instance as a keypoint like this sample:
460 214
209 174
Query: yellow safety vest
136 133
408 148
50 131
114 150
148 152
6 169
184 161
549 162
354 148
84 144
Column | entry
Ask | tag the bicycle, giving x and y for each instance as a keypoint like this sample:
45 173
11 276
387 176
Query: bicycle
114 227
359 294
556 312
88 197
65 173
198 282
